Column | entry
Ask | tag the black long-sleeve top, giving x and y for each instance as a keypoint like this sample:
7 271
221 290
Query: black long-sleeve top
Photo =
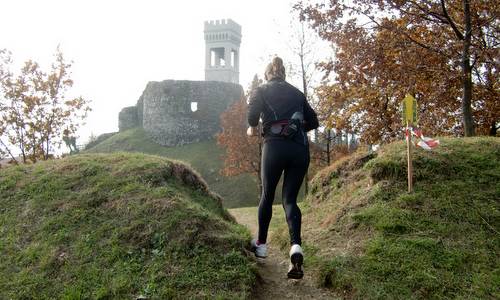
278 100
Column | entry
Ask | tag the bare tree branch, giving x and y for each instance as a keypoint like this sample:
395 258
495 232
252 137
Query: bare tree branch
459 35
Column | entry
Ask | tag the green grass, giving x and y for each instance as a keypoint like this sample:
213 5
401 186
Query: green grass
367 238
250 216
116 226
205 157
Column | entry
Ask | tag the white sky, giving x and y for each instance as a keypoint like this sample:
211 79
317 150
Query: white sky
118 46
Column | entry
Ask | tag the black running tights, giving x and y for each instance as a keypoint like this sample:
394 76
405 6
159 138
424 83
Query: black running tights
292 159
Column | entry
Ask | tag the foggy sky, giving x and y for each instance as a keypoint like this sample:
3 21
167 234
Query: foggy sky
118 46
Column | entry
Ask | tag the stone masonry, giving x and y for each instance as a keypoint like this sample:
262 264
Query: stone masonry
128 118
165 110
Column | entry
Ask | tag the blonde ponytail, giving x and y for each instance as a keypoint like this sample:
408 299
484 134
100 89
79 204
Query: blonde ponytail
275 69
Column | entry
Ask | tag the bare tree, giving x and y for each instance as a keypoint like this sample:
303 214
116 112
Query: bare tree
303 44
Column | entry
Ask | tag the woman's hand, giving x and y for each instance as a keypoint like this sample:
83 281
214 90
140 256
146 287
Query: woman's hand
252 131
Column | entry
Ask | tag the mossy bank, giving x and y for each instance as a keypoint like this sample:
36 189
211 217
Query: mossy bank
367 238
117 226
206 157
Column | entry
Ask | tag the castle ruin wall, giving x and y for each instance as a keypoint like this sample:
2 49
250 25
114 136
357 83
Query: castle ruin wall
128 118
167 115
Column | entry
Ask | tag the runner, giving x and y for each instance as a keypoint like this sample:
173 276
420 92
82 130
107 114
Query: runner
286 117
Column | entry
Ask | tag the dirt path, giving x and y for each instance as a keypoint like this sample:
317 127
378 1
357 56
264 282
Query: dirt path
273 283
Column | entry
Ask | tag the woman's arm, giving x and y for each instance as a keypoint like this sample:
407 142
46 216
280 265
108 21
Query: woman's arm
310 117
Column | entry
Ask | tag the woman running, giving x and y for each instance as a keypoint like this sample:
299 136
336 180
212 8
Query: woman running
286 117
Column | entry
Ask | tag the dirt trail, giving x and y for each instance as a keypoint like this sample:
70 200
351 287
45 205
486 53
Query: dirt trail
273 283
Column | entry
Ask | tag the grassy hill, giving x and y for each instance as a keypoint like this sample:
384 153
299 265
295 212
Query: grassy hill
367 238
117 226
205 157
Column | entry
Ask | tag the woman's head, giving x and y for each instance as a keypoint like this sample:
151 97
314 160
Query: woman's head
275 69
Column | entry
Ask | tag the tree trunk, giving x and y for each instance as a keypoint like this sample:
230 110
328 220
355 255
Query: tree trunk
338 137
22 147
493 129
468 121
34 151
328 141
8 151
304 85
304 79
47 149
353 144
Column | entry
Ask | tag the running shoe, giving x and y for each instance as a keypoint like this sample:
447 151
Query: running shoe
296 260
259 249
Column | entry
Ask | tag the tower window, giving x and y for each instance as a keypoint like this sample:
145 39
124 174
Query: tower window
194 106
217 56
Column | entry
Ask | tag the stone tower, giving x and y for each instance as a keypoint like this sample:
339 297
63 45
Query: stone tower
222 51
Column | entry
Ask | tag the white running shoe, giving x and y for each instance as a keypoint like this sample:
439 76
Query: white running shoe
296 260
260 250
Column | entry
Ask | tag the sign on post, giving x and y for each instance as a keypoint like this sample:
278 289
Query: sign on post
409 119
409 110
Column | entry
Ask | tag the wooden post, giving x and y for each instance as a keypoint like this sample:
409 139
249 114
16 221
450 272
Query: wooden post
409 152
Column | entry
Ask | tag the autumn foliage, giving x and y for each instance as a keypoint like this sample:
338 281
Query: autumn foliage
445 53
242 152
35 111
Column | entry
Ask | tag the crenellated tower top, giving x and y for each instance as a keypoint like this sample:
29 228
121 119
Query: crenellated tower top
222 51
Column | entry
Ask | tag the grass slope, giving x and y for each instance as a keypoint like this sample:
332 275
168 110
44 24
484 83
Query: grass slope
205 157
367 238
116 226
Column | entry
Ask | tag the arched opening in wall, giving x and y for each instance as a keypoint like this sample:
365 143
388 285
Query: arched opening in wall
194 106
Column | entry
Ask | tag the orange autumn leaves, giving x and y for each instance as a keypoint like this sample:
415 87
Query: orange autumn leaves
242 151
35 110
385 49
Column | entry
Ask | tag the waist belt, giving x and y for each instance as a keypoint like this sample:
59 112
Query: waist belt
282 128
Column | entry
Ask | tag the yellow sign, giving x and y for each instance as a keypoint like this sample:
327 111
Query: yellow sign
409 110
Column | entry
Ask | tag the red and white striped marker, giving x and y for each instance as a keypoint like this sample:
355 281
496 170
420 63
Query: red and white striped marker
425 142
